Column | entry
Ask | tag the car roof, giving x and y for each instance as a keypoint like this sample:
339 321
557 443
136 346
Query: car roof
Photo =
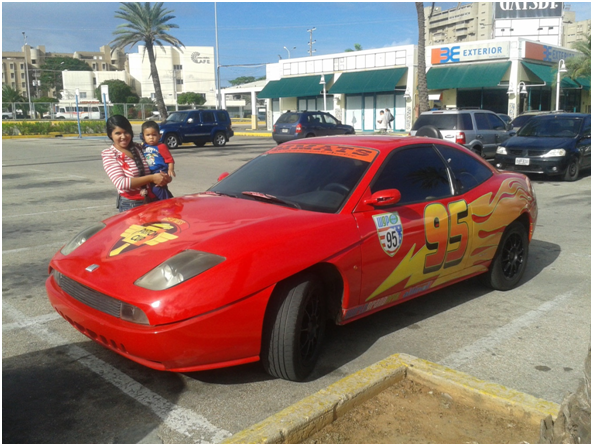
560 114
457 110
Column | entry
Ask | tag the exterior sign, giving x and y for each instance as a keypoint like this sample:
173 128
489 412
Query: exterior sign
468 52
527 10
546 53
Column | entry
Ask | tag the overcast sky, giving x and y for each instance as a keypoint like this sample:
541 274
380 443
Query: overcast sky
248 32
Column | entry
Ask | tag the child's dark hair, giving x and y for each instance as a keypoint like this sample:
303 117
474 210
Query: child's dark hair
150 125
121 122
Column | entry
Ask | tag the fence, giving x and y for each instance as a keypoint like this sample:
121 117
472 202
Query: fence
51 110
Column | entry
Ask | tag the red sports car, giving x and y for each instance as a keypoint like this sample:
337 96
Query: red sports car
332 228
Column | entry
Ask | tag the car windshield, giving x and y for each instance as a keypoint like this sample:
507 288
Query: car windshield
520 121
552 127
176 117
308 181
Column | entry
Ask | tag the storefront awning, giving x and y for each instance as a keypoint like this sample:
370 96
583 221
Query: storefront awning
584 82
466 76
294 87
374 81
544 72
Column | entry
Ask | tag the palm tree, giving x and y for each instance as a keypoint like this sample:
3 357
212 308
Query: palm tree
148 24
580 66
357 47
422 86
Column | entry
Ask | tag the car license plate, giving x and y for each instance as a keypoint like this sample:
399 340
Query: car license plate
284 130
522 161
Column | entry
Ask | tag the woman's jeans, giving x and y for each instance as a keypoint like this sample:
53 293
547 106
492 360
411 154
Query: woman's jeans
126 204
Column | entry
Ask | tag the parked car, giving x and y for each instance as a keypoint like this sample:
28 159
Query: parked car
306 124
481 131
316 230
522 119
196 126
154 116
506 118
553 144
7 115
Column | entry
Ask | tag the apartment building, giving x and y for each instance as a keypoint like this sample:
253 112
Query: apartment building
464 23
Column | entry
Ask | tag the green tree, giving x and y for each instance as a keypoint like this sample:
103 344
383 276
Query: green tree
580 66
189 98
119 92
242 80
357 47
51 71
148 24
9 94
41 104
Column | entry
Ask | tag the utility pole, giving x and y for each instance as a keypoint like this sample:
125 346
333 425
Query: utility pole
311 41
27 74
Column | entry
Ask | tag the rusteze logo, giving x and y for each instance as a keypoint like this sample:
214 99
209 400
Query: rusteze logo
465 53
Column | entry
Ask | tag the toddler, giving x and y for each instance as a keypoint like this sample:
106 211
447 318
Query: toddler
157 156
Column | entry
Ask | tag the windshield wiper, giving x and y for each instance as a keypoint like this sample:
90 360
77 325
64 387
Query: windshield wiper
270 198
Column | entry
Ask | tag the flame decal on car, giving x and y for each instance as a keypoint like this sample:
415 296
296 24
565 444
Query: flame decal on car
490 214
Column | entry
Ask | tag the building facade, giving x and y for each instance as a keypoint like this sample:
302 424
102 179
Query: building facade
353 86
189 70
466 23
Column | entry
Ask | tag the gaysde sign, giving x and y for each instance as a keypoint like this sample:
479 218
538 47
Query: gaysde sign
527 10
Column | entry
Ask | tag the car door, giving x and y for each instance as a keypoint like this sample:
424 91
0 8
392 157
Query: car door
191 127
584 143
208 124
316 124
414 245
486 133
331 125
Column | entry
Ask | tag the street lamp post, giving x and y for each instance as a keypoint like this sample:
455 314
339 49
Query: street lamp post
294 48
322 82
27 73
561 69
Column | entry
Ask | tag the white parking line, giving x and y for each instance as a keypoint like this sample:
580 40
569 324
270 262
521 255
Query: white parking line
181 420
60 211
508 331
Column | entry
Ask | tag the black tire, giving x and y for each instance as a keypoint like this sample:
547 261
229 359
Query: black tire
294 328
310 135
479 150
572 171
509 263
429 131
200 144
172 141
219 139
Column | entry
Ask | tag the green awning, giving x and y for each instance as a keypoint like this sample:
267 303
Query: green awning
570 83
585 82
374 81
294 87
546 73
466 76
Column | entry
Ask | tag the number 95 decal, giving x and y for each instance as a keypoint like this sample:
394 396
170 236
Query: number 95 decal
446 231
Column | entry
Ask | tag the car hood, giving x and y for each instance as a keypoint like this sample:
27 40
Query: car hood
535 143
262 243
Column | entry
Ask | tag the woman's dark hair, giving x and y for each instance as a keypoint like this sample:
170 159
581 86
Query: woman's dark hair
122 122
118 121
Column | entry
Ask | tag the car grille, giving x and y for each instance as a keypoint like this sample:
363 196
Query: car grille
526 152
88 296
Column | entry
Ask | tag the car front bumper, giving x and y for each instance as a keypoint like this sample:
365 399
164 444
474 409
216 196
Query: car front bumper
228 336
556 165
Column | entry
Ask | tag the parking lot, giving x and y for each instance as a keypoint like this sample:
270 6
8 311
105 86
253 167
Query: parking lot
60 387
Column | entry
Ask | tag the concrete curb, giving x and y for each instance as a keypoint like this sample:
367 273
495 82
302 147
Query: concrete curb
301 420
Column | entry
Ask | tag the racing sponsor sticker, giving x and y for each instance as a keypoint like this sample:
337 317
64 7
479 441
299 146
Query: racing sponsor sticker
390 231
149 234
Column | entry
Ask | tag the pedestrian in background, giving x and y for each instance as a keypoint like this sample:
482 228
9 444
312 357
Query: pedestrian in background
382 121
126 167
389 118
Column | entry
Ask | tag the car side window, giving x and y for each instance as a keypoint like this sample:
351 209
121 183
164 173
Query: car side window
207 116
315 119
418 172
495 122
468 171
329 119
221 116
465 122
482 121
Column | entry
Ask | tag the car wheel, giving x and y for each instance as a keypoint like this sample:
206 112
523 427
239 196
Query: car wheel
510 260
429 131
219 139
172 141
479 150
294 328
572 171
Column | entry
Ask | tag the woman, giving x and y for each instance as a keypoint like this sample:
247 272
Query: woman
126 167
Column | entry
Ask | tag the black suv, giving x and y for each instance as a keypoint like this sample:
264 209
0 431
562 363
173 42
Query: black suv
305 124
197 126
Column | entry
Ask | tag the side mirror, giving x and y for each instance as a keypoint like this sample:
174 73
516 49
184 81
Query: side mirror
223 176
190 120
385 197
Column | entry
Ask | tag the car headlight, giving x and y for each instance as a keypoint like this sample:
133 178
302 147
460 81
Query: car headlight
81 237
501 150
555 152
178 269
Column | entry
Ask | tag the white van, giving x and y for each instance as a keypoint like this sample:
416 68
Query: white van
85 112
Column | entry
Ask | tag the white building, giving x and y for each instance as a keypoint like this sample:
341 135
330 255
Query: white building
86 82
191 69
352 86
538 21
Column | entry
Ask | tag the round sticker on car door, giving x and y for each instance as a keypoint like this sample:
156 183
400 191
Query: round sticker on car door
390 231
